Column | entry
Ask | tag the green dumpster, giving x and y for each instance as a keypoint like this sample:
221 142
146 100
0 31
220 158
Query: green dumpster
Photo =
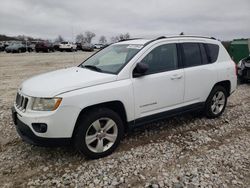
239 49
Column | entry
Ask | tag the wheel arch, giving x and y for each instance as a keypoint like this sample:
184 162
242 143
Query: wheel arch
116 106
226 84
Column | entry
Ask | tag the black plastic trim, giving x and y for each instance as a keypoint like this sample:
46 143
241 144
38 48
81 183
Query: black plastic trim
166 114
28 136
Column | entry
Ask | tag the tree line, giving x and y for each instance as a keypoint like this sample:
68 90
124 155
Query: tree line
87 37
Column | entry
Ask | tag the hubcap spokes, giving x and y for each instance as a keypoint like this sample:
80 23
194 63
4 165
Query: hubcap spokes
218 102
101 135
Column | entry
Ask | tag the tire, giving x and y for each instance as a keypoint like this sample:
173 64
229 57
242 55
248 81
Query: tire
89 123
216 102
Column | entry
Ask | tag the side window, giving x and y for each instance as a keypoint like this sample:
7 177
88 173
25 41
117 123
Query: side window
203 54
162 58
212 52
192 55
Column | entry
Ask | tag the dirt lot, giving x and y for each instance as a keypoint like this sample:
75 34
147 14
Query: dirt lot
186 151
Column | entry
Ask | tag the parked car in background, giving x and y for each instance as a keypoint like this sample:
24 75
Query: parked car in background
88 47
67 46
244 69
32 44
56 46
2 47
44 46
79 46
18 48
125 85
98 46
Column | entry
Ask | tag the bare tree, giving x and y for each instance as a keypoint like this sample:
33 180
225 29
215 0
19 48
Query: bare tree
120 37
89 36
125 36
80 38
59 39
103 40
114 39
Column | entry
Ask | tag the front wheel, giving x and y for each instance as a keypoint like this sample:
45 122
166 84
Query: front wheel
216 102
98 133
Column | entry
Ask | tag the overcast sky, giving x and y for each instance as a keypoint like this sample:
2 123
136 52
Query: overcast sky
223 19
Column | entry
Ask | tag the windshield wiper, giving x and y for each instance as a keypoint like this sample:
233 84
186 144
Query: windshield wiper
92 67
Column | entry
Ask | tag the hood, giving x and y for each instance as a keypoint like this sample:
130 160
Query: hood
64 80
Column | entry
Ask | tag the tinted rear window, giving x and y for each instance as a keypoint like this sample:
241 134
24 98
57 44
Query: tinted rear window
203 54
192 55
212 52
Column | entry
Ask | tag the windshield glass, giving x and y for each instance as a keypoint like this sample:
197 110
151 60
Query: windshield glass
113 58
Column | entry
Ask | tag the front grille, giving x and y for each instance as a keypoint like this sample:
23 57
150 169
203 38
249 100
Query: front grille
21 102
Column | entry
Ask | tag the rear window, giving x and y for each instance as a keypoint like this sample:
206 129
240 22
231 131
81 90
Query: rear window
203 54
212 52
192 55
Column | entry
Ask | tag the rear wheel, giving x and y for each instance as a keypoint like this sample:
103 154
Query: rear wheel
98 133
216 102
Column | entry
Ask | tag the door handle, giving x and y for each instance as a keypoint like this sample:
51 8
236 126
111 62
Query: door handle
176 77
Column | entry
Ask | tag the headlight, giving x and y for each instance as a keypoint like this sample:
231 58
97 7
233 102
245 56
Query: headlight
46 104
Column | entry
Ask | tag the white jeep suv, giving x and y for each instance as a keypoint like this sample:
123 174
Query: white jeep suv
67 46
122 86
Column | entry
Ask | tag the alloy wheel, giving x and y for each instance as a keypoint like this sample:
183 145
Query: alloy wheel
101 135
218 102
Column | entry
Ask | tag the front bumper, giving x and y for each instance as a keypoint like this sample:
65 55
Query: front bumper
28 136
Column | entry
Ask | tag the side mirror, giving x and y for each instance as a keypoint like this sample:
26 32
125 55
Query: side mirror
140 69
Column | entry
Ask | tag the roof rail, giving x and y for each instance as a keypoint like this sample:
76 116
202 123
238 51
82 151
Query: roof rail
177 36
183 36
128 39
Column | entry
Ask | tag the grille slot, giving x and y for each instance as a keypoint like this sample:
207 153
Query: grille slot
21 102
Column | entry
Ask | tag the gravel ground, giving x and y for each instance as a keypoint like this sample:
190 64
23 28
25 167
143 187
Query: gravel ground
186 151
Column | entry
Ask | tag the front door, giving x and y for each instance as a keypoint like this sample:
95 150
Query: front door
162 87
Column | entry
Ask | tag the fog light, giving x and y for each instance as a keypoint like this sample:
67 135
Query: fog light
40 127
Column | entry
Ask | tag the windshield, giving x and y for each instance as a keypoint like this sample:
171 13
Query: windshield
112 59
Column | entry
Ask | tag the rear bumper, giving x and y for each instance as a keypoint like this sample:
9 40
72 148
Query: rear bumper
28 136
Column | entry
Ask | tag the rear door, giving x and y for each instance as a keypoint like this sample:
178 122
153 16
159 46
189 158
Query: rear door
200 74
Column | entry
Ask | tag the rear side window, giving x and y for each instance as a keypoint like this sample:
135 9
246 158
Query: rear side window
212 52
192 55
204 56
